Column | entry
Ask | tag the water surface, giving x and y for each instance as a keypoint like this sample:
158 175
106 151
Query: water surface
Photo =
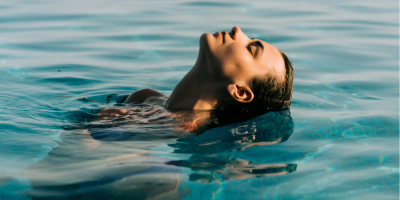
339 140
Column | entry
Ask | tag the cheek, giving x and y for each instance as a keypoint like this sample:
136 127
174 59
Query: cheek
238 56
233 61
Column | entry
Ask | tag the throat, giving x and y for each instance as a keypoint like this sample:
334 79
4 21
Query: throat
190 94
198 90
183 99
205 105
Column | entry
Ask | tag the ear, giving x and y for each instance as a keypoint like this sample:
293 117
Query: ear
242 94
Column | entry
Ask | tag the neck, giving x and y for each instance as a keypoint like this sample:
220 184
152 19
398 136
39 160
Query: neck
198 90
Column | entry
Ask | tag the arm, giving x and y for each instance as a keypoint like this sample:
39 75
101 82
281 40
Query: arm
139 96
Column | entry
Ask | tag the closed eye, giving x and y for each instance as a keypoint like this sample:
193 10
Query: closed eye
249 49
254 46
258 43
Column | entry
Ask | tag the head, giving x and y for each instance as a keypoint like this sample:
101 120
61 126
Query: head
258 77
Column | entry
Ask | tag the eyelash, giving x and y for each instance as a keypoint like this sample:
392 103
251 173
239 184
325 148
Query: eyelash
257 42
248 47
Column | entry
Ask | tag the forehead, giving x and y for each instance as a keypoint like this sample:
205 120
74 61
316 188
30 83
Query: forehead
272 60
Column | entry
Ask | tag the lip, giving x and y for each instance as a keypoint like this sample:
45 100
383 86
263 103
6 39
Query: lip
226 33
216 34
223 35
230 34
219 34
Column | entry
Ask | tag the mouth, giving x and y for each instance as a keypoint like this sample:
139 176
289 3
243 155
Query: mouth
224 34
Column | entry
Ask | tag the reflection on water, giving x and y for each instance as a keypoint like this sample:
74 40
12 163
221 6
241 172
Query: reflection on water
92 168
212 150
59 57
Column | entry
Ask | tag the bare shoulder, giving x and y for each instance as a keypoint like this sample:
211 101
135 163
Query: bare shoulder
142 95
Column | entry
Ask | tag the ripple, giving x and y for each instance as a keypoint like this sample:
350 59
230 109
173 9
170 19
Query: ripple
39 17
48 46
70 81
66 61
146 37
213 4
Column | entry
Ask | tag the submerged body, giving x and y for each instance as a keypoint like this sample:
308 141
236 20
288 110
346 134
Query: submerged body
186 121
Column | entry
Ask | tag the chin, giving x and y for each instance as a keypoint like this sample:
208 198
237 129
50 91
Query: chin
207 43
205 40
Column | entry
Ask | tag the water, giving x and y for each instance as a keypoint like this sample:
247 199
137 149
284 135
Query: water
339 141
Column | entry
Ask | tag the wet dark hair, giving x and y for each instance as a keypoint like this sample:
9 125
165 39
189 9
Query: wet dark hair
269 95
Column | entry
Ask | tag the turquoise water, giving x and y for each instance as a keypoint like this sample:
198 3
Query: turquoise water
63 59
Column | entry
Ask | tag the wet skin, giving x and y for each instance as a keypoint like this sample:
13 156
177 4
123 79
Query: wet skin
226 64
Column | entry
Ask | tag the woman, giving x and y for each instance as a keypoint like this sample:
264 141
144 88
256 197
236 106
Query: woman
234 76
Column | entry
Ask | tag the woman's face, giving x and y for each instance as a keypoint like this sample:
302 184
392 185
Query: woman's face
235 56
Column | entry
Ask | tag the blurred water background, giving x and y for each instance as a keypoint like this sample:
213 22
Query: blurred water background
340 139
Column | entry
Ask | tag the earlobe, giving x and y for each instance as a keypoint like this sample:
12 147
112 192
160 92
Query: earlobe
242 94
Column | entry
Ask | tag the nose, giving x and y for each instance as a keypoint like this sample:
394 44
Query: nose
237 34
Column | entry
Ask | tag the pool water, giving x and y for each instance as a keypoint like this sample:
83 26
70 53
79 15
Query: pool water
61 61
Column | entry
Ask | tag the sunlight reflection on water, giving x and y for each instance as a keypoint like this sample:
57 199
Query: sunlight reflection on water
344 143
